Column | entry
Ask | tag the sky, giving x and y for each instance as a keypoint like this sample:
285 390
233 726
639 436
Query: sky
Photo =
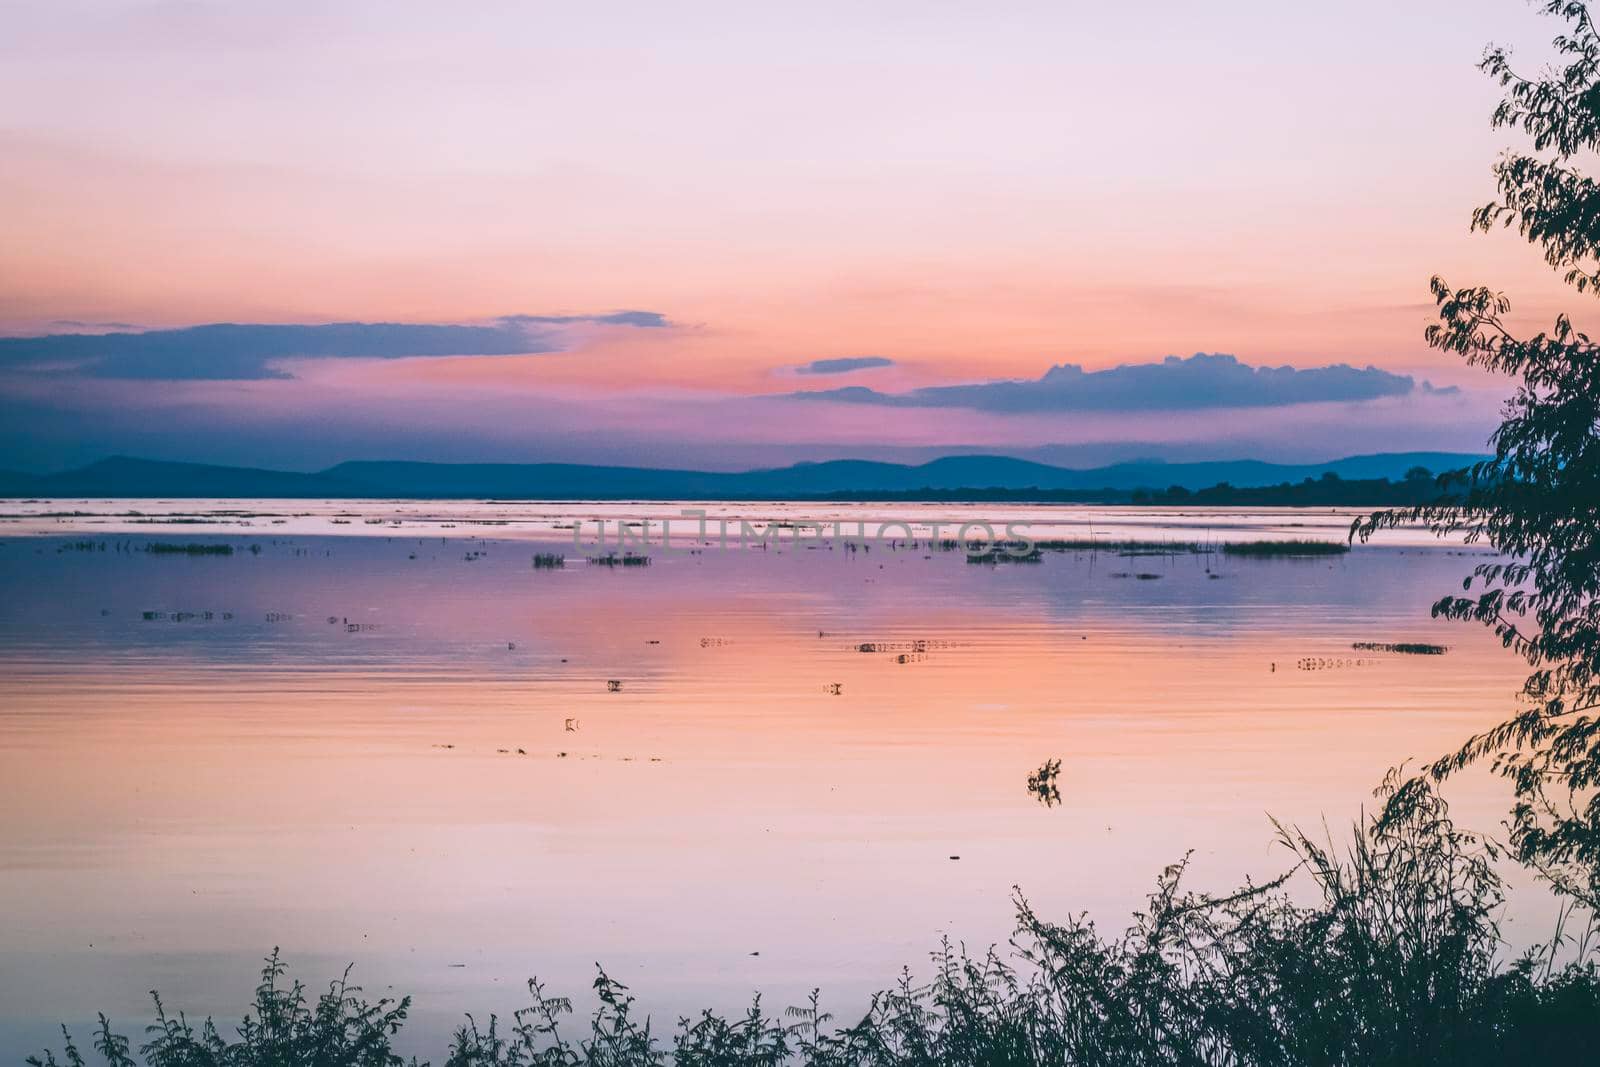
735 235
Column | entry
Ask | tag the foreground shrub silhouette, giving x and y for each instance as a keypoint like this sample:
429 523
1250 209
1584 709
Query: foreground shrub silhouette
1384 952
280 1027
1537 501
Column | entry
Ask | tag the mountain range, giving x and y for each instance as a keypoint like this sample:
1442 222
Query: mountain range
123 476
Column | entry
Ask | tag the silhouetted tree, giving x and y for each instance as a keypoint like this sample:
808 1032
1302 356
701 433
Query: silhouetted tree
1538 500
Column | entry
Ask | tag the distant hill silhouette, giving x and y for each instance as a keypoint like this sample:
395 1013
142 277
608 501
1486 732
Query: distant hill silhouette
122 476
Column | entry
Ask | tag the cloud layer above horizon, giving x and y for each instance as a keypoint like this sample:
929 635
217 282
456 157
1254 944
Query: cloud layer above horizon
267 351
1174 384
843 365
253 351
927 185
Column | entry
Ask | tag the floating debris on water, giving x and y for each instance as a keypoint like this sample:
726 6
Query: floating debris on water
1328 663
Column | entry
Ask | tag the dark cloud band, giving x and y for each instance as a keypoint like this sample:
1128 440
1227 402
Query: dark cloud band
1198 382
232 351
843 365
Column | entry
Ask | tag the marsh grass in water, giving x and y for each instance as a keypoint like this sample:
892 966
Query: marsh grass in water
1002 556
612 559
1126 547
1076 544
1009 551
1265 549
1409 648
173 548
1387 951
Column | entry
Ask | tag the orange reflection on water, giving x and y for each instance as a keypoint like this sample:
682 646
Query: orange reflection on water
335 768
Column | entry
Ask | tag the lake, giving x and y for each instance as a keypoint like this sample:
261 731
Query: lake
374 732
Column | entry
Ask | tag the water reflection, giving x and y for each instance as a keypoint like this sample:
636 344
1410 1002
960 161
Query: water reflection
421 751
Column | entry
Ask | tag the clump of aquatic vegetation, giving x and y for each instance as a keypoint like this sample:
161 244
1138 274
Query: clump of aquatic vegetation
1075 544
1126 547
1410 648
1004 555
1384 951
1025 551
625 559
82 546
977 545
193 548
1285 548
1042 783
548 561
184 616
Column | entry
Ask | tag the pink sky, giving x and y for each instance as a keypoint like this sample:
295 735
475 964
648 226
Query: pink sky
973 193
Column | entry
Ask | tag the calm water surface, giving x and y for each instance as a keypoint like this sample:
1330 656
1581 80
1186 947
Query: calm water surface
374 733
